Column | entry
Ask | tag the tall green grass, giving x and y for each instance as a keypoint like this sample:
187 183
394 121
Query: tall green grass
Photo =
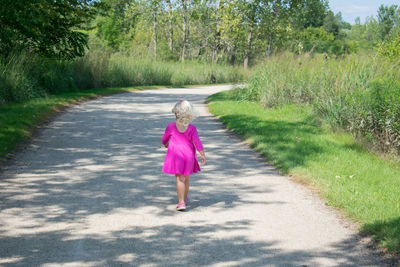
359 93
364 185
31 87
16 81
25 76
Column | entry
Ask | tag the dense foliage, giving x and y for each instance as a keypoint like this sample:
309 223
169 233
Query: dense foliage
228 31
357 93
363 185
225 31
49 28
236 31
28 76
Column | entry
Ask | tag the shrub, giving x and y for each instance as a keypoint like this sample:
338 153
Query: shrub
378 110
357 93
16 81
26 76
391 47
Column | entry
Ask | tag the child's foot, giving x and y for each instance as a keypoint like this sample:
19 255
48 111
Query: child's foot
186 200
181 206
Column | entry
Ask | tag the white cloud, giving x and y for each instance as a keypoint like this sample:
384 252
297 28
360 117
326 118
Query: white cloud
355 9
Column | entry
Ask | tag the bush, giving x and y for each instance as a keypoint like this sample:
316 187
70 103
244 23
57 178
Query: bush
391 47
16 81
318 40
26 76
377 113
356 93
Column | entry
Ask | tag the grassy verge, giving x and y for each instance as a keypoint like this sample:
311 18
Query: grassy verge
18 120
365 186
357 93
24 76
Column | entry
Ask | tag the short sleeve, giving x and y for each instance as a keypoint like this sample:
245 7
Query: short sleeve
196 140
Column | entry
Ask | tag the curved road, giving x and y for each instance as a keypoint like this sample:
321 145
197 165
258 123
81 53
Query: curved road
88 191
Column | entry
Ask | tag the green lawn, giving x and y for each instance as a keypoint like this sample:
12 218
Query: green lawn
365 186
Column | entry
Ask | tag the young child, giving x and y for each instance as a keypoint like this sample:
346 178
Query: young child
182 141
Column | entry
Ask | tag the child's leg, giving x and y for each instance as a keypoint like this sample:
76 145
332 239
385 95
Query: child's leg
186 186
180 187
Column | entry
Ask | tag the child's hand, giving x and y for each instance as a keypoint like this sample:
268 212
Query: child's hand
166 145
203 160
203 157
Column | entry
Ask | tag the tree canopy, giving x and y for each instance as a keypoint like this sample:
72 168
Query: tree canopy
226 31
50 27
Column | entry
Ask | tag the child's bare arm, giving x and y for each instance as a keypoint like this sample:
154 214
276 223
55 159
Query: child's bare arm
203 157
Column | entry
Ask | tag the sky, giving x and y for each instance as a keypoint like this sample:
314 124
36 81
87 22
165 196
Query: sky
358 8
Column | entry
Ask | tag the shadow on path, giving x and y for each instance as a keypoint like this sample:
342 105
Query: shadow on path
89 191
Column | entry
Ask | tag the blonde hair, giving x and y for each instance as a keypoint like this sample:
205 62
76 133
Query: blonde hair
184 113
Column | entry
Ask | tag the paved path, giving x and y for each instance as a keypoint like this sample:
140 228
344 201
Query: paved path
89 192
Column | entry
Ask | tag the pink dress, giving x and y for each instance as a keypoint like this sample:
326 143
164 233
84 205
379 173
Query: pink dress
181 155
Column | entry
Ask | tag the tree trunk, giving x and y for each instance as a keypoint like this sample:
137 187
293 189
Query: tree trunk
276 13
216 47
217 36
171 29
312 49
268 52
248 50
185 30
155 31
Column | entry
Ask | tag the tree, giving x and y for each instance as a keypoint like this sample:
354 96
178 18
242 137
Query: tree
388 16
48 27
250 11
229 31
332 24
252 20
308 13
372 31
116 19
357 31
275 27
217 30
185 29
170 28
249 27
391 48
155 5
230 27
